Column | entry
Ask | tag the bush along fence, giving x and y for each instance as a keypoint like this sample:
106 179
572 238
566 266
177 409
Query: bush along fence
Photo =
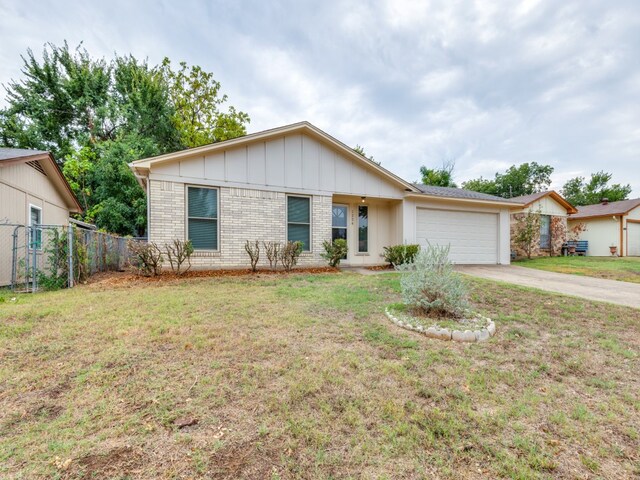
49 257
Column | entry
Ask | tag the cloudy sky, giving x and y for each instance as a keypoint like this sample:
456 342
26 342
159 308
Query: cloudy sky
486 84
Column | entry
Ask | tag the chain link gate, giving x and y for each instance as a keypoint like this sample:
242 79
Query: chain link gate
56 256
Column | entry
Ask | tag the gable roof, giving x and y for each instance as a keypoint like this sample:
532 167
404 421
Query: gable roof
606 210
145 164
461 193
12 156
534 197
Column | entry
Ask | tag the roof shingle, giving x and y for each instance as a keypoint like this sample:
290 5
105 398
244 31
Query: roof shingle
449 192
602 210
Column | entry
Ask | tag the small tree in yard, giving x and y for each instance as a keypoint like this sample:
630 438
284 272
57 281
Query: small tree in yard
527 231
431 286
178 253
272 249
334 251
253 250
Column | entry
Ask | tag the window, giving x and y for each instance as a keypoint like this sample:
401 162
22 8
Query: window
545 231
202 218
339 223
363 228
299 221
35 233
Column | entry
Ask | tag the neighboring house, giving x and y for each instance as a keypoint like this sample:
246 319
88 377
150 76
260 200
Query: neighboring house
610 224
33 191
298 183
553 210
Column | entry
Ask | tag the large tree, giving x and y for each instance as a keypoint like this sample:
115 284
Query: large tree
440 177
96 115
523 179
578 191
196 101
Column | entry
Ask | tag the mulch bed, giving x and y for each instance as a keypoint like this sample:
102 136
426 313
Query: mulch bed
126 278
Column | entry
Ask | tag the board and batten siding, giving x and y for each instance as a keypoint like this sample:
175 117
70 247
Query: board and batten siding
547 206
294 163
21 185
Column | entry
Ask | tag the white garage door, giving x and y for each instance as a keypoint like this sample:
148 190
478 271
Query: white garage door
633 234
473 236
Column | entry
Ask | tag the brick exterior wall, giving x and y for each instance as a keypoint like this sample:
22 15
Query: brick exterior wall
244 214
556 240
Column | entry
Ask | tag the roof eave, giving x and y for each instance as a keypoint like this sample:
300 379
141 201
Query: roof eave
477 201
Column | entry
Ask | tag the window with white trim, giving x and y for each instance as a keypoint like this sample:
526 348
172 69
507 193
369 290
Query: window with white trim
363 229
202 217
299 221
35 232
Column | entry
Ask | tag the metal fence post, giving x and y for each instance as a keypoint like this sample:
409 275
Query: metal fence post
70 253
33 235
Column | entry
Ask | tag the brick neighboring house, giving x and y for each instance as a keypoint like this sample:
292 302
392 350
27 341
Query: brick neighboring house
298 183
554 211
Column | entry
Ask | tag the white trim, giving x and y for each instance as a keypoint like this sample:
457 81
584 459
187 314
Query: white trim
36 207
346 227
186 210
258 186
286 219
358 230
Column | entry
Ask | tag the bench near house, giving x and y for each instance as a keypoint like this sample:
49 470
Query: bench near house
553 208
298 183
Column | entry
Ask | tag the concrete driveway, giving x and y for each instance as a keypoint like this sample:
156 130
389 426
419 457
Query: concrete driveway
612 291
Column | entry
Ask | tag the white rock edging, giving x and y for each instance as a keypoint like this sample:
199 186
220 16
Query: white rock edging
469 336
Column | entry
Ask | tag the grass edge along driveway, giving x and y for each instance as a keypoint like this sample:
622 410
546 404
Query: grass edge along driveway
625 269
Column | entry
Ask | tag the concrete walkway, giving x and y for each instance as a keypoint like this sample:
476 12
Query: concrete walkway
612 291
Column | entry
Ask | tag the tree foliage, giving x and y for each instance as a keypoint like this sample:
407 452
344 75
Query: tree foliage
518 180
360 150
196 101
95 116
440 177
578 191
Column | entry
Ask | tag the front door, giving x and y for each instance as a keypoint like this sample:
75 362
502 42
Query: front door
339 222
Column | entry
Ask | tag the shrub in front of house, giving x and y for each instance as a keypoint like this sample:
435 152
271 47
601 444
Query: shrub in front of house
431 287
334 251
147 258
400 254
253 250
178 253
289 254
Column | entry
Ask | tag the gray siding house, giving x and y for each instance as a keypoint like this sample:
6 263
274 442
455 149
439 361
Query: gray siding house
298 183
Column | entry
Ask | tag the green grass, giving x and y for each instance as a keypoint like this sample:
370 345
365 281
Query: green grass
626 269
302 376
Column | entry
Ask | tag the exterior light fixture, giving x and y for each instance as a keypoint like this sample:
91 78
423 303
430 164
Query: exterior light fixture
363 199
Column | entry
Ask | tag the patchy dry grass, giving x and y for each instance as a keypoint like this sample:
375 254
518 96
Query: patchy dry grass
626 269
302 376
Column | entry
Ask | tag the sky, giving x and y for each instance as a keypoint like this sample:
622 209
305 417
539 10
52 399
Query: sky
483 84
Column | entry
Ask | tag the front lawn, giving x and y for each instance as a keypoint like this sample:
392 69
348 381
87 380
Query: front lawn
302 376
626 269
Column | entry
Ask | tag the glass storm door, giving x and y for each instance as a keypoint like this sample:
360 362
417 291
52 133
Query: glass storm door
339 223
